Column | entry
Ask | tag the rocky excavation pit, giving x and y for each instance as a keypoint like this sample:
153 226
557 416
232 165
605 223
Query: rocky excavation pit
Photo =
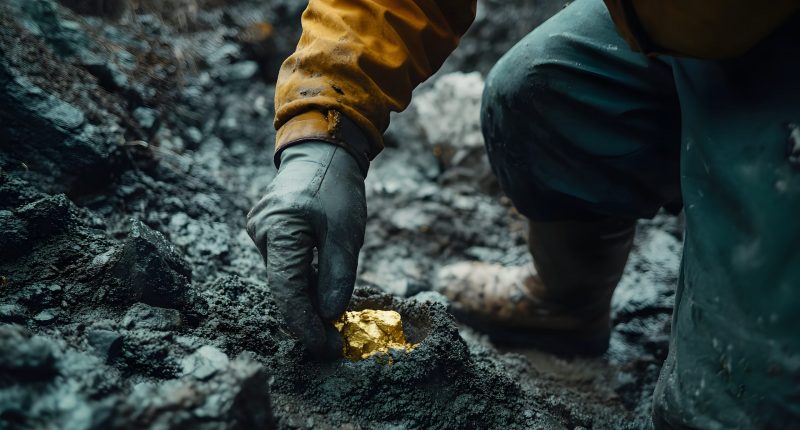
131 297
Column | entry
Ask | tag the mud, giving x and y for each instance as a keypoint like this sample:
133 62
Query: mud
131 297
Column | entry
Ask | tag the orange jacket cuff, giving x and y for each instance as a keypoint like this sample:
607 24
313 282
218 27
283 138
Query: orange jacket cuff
331 127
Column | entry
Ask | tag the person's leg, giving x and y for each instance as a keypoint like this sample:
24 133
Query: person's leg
579 127
583 135
734 358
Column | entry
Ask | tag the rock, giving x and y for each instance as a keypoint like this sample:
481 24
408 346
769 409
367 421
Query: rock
151 269
450 112
146 117
205 240
150 352
204 362
24 356
193 135
224 54
108 75
58 126
142 316
235 397
12 313
41 295
15 192
47 216
13 235
106 343
241 71
46 316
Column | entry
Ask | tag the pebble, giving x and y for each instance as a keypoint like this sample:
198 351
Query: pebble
146 117
106 343
142 316
12 313
204 363
46 316
240 71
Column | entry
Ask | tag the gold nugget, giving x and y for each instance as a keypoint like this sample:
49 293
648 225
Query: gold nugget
369 332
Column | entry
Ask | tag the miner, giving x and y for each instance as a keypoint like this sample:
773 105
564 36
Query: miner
605 114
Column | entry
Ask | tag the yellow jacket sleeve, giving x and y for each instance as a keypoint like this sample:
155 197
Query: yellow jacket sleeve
711 29
357 60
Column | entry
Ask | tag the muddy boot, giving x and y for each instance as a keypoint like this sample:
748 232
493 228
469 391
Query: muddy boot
509 304
562 305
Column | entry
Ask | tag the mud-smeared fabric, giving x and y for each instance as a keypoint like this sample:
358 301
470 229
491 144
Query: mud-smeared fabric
363 59
735 353
577 127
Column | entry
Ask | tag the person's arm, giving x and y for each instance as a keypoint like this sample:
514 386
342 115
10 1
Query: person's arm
356 61
362 59
711 29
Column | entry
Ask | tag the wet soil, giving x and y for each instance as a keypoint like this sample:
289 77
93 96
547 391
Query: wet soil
131 296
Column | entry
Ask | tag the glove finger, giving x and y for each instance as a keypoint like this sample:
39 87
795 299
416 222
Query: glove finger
334 345
338 263
257 225
289 273
340 235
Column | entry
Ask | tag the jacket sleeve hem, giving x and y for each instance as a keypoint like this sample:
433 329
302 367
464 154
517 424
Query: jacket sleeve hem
331 127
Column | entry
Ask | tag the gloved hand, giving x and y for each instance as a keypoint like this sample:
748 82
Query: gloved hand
315 201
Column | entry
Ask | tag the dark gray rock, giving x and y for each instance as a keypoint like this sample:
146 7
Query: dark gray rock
12 313
150 268
55 126
41 295
108 75
142 316
13 235
106 343
25 356
235 397
47 216
151 353
15 192
47 134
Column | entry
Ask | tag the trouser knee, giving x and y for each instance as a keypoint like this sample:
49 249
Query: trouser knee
569 143
516 132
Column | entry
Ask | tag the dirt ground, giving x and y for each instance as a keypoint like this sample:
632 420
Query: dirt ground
131 296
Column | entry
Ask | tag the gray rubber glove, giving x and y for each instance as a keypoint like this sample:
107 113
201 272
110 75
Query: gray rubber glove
315 201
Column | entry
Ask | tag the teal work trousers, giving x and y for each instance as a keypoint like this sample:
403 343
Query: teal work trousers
579 127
